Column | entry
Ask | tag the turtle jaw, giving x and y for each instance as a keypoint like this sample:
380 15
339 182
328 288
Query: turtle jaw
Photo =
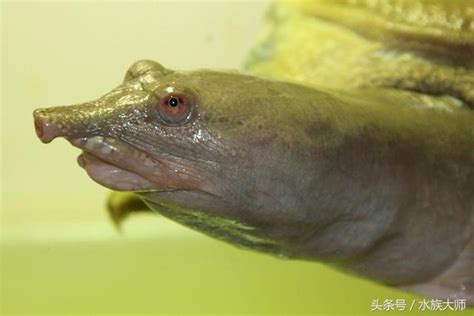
122 167
111 163
112 176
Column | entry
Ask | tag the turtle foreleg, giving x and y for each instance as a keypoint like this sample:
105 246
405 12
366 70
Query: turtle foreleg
121 204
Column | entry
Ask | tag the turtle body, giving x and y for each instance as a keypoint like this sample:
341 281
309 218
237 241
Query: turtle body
422 47
416 53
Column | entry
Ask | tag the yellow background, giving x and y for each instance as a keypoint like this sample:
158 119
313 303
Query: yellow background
60 254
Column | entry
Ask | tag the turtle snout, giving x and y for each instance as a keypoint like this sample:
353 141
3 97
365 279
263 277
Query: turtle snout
45 126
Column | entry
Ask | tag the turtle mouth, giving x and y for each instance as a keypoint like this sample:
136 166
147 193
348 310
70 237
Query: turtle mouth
119 166
112 176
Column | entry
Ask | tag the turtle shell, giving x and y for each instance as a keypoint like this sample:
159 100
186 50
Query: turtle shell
417 45
442 27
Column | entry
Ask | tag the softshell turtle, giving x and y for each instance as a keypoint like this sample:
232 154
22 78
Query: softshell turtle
350 140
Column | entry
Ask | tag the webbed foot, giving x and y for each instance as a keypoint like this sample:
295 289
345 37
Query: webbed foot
121 204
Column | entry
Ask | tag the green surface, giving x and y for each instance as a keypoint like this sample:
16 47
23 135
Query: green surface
158 267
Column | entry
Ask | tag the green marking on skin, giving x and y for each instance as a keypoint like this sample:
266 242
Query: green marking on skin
216 223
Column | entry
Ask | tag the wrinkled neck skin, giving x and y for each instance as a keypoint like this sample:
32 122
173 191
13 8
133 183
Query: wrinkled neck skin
364 180
353 182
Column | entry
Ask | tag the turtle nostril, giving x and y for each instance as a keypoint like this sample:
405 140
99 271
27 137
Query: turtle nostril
45 131
39 129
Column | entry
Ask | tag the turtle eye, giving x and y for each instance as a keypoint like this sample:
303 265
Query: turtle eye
176 108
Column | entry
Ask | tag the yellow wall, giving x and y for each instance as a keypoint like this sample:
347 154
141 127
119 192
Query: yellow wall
57 53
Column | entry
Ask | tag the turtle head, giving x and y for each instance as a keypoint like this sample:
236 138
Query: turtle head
204 143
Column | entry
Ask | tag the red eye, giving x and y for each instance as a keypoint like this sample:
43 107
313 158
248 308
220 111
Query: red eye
176 108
